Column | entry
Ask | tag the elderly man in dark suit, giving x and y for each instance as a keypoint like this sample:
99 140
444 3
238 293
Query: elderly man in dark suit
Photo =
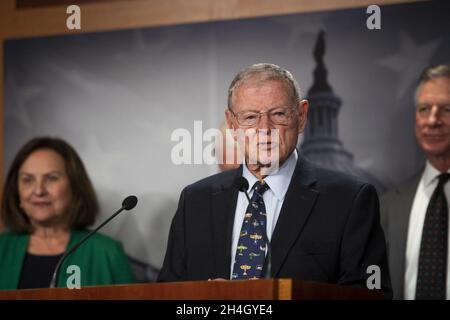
415 215
321 225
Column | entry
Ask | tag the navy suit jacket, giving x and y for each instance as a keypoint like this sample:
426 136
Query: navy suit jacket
328 230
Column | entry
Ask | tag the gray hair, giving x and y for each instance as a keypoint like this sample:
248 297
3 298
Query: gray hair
439 71
261 72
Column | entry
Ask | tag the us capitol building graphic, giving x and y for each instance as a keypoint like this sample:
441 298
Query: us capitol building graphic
321 142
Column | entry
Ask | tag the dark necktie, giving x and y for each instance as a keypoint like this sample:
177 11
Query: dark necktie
432 271
251 249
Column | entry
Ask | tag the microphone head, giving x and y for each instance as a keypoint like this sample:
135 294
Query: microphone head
129 202
241 184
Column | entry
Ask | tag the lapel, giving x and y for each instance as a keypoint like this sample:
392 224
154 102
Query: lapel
398 228
223 207
296 208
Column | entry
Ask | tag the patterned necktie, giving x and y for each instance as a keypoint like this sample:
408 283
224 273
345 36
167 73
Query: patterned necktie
432 271
251 249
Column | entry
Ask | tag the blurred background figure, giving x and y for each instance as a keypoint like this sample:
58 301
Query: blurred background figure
227 152
415 215
48 202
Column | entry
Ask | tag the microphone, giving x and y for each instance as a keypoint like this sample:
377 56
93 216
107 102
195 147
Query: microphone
127 204
242 185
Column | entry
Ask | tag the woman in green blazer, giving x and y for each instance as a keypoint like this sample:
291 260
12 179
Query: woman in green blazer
47 204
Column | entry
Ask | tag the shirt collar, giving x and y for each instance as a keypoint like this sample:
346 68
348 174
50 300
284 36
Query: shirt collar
430 174
279 181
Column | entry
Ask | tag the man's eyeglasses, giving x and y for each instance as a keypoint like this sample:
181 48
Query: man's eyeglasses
278 116
424 110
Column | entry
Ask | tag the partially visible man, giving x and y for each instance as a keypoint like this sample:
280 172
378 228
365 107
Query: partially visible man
415 215
322 226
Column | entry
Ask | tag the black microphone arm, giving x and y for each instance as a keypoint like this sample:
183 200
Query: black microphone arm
127 204
242 185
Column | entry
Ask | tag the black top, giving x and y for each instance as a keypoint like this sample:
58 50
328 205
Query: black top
37 271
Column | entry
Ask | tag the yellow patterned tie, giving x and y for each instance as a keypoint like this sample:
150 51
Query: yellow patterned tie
251 249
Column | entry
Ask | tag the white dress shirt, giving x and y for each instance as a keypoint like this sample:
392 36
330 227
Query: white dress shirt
425 189
273 199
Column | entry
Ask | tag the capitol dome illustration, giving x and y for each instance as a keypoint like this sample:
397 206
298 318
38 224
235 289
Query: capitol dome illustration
321 143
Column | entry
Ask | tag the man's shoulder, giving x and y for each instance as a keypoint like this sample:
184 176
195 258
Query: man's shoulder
327 179
408 185
216 181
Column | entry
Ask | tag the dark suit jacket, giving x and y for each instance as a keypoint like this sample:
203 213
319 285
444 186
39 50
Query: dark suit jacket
396 207
328 230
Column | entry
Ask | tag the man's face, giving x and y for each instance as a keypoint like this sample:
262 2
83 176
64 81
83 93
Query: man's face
433 117
268 96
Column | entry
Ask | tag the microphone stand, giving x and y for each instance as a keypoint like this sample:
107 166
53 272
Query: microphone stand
128 204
